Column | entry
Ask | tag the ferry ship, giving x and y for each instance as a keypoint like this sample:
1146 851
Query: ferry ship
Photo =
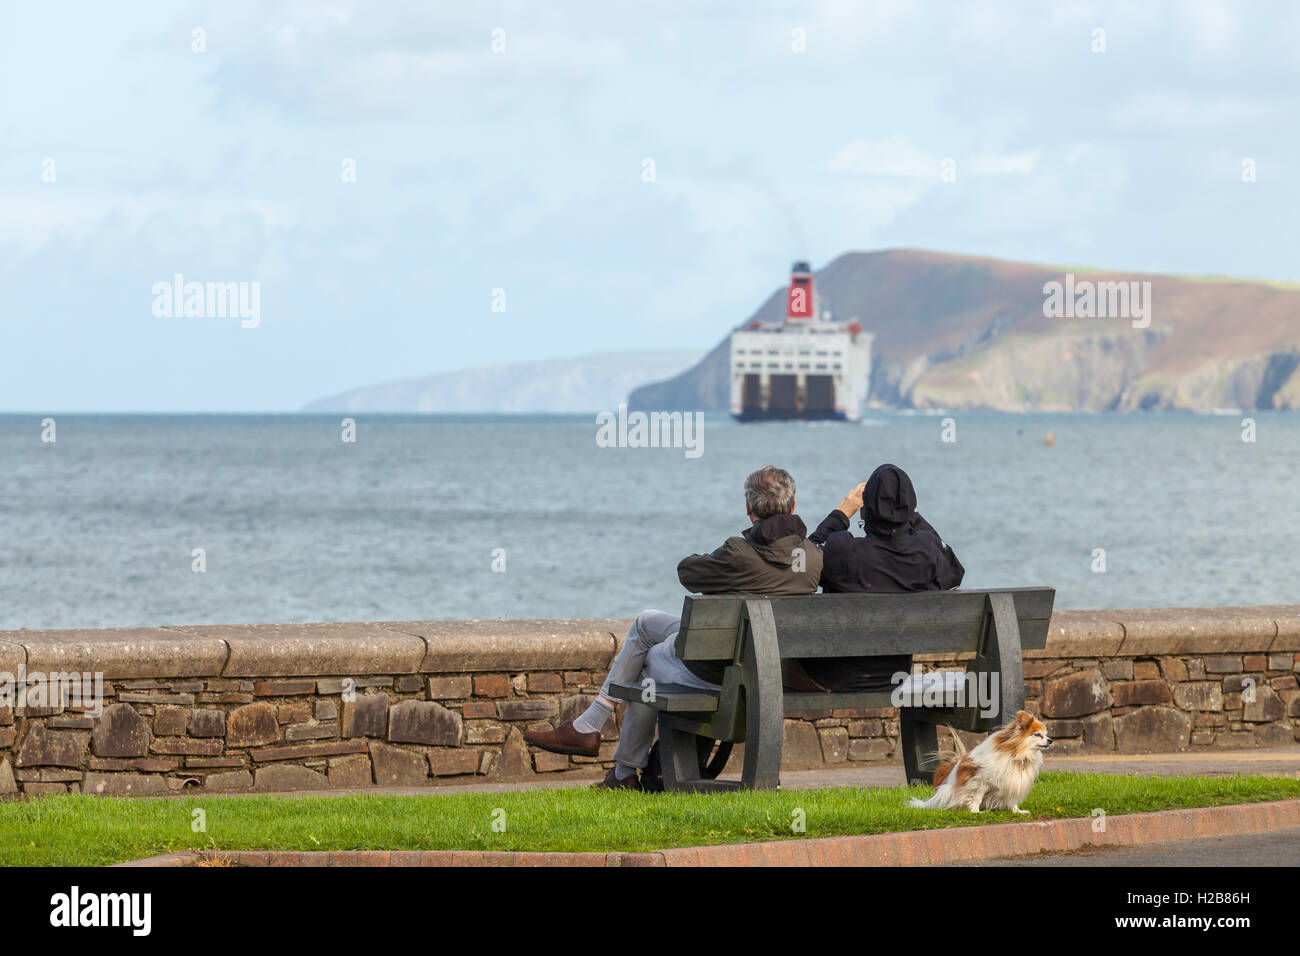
808 366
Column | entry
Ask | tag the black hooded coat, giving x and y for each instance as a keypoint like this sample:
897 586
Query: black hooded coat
900 552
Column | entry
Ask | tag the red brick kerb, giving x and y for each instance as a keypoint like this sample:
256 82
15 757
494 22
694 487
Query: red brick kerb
911 848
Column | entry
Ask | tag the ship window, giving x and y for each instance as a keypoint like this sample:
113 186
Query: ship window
821 364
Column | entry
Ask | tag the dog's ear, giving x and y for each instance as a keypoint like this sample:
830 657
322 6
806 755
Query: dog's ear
1024 718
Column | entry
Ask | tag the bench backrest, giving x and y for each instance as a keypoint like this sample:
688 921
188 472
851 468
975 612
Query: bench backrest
862 625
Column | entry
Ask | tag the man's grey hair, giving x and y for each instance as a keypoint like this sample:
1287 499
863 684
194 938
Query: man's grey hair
770 491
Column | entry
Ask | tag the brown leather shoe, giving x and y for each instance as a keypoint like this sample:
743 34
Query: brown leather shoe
631 782
565 740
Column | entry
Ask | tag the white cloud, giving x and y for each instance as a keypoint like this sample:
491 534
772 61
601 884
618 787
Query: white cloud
31 221
898 156
1003 164
849 23
1212 23
364 61
895 155
1170 110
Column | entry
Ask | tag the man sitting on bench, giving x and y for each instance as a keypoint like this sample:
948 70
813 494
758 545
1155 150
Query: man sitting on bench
900 552
772 556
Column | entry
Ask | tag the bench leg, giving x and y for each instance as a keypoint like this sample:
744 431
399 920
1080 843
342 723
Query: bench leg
762 767
764 700
1009 662
680 760
919 738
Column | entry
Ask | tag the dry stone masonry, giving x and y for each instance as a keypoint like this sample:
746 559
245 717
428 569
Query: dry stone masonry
317 706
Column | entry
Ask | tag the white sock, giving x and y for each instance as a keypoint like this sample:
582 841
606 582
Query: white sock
593 719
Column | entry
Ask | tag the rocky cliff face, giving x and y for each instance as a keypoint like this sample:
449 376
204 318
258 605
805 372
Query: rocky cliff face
962 333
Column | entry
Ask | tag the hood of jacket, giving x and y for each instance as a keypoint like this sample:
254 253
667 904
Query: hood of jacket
889 500
769 537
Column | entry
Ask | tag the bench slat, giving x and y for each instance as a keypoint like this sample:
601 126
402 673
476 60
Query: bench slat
674 698
795 641
708 611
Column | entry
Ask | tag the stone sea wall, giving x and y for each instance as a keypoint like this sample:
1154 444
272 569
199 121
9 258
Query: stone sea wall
315 706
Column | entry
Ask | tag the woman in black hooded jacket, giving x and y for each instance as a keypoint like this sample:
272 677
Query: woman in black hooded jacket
900 552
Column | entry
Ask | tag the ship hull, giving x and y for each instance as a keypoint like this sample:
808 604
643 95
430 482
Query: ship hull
786 415
820 372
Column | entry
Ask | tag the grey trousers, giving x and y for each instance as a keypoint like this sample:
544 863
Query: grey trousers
648 652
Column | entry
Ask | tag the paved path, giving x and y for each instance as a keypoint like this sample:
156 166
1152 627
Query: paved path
1278 848
1278 762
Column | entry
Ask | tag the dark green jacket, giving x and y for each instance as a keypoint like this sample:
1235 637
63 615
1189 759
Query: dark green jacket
773 556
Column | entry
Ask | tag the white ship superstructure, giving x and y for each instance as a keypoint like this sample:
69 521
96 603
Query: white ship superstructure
807 367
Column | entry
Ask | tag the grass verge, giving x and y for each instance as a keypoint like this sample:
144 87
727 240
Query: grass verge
80 830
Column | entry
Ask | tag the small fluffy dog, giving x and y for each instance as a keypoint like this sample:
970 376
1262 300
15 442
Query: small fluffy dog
996 775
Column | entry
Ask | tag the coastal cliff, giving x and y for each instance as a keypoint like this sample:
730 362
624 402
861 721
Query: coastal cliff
959 332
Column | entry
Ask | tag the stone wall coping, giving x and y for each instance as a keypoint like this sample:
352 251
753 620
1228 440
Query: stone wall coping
124 652
12 656
1172 631
430 647
291 650
515 645
329 649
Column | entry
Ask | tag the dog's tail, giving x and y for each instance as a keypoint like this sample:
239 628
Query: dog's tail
948 758
925 804
956 741
945 754
945 758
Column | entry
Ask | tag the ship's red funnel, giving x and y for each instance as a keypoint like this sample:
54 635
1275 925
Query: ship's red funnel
799 301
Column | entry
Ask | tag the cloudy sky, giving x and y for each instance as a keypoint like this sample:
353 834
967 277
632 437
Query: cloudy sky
510 145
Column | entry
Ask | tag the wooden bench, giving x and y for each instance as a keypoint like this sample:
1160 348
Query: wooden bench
751 634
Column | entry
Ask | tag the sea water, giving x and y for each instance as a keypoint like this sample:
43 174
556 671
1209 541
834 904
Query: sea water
148 519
